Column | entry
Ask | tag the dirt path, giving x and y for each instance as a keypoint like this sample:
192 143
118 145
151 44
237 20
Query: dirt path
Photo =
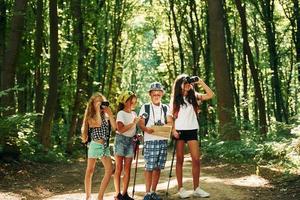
65 182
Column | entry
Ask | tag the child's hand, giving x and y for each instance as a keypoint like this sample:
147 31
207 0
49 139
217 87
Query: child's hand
176 134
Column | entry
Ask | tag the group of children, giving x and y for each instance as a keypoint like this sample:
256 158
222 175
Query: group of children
181 115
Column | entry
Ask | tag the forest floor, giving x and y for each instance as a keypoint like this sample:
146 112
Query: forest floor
32 181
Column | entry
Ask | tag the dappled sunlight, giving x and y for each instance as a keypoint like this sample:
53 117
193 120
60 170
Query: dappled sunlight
246 181
10 196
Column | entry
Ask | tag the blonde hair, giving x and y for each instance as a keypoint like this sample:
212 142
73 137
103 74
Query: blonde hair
89 113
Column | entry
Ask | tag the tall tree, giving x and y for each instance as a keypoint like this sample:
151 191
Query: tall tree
193 29
227 127
38 80
53 77
2 33
8 71
247 50
178 35
266 10
297 37
230 41
116 39
81 71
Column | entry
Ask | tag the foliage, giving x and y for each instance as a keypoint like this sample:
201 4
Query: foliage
280 148
145 50
20 130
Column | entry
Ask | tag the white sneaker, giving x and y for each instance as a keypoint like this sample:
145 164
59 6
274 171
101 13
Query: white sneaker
200 193
183 194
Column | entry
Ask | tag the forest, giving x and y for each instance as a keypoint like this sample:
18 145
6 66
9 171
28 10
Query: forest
55 54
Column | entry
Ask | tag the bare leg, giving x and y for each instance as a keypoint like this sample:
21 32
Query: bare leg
88 176
155 179
148 177
126 178
179 161
194 150
106 160
118 171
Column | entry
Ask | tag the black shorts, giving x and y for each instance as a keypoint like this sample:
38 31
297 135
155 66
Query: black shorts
188 135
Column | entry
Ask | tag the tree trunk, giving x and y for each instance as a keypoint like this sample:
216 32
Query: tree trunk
8 70
81 72
8 73
117 31
297 40
103 59
230 45
53 77
195 40
267 17
207 67
2 33
227 126
257 89
22 79
178 33
245 89
172 43
38 80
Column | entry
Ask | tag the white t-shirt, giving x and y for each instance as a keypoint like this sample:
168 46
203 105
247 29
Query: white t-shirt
187 118
126 118
156 113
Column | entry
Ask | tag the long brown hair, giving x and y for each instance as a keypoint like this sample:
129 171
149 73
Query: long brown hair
177 96
89 113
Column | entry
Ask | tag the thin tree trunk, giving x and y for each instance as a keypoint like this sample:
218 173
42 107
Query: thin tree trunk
117 31
193 37
267 10
257 89
38 80
2 33
104 56
8 71
297 41
22 78
177 33
81 72
53 78
232 66
227 126
207 67
245 89
172 43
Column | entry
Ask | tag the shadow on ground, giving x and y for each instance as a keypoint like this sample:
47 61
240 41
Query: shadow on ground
34 181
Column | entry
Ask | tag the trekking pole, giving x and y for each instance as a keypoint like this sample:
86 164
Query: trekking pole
136 157
170 174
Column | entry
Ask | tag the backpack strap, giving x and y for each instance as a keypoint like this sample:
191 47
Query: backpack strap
165 109
147 110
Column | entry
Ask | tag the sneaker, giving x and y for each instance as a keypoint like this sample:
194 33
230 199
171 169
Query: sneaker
183 194
126 197
119 197
200 193
154 196
148 197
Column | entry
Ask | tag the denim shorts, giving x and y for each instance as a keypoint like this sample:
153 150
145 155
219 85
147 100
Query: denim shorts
155 154
123 146
97 150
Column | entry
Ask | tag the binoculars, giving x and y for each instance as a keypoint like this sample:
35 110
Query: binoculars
158 123
104 104
192 79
